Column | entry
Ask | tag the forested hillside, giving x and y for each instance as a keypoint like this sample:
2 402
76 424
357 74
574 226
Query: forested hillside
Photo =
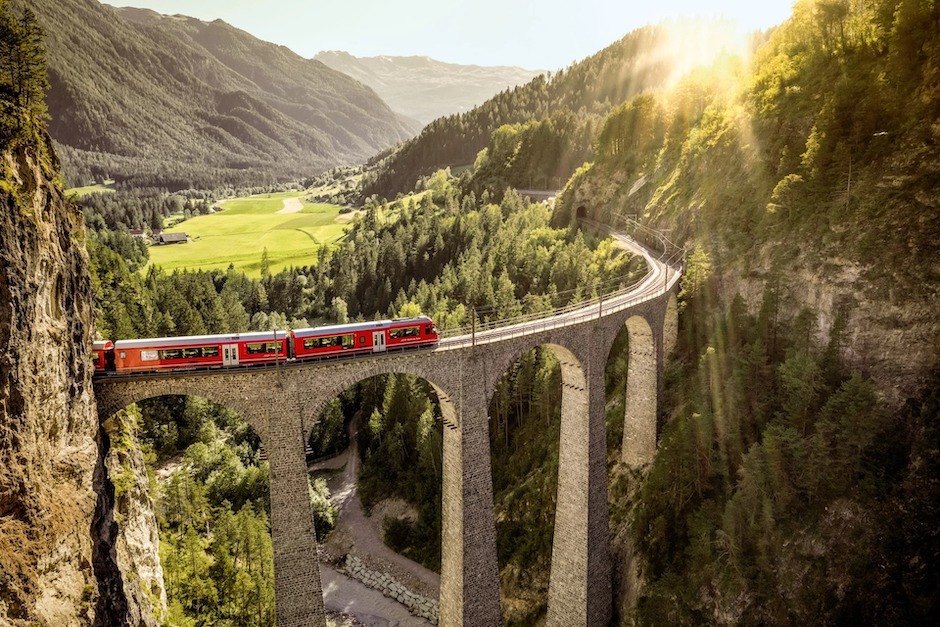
441 255
795 474
815 163
577 97
175 102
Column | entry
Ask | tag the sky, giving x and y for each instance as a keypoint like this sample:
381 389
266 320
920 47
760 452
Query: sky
534 34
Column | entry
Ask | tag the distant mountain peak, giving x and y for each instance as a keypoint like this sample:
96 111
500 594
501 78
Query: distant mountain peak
424 88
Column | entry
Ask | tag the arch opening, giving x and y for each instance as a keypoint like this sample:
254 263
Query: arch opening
211 488
630 402
580 213
540 402
377 447
640 396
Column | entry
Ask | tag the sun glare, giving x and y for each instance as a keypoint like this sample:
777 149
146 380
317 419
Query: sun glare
698 43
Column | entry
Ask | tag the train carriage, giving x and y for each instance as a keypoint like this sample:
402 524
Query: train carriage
364 337
241 349
102 351
200 351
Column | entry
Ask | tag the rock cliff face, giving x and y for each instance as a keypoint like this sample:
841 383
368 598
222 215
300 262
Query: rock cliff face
47 413
59 544
892 339
137 547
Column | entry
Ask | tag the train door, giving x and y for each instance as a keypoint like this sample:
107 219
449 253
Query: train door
230 354
378 341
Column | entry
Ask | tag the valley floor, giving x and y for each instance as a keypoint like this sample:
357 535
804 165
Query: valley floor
361 536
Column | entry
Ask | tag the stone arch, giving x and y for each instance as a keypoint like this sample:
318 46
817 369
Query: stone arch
111 401
639 424
465 534
292 532
580 213
573 376
328 390
567 594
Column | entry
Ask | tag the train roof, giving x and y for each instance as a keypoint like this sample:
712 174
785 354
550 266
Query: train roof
355 327
196 340
102 345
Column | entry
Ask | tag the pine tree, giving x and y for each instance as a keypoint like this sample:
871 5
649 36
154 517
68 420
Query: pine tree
23 81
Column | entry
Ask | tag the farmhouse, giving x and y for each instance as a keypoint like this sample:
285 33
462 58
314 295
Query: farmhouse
173 238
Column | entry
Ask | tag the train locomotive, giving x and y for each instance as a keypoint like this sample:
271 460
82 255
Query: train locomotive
261 347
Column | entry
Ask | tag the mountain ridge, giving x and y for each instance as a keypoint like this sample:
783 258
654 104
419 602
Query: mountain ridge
424 88
178 102
570 102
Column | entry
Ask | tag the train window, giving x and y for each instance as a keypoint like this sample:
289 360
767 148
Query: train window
404 332
192 352
362 339
262 347
427 329
346 341
210 351
94 357
170 353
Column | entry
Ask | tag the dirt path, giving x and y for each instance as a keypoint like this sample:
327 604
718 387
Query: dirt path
361 535
292 205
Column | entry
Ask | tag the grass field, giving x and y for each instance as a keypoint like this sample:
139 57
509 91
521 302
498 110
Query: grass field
245 227
107 186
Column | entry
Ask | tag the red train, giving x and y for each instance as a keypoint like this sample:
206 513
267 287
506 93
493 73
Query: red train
241 349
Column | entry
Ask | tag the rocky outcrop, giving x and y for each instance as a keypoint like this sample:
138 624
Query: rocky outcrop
137 546
48 421
64 560
886 336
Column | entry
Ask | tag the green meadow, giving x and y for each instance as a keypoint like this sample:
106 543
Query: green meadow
107 186
239 234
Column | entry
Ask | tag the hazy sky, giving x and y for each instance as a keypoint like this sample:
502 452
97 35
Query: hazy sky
535 34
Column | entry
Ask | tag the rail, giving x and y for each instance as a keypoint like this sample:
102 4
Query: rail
664 259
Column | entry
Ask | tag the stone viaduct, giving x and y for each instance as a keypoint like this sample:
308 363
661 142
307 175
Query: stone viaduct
282 403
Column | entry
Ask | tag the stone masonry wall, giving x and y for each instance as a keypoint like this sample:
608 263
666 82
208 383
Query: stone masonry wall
420 606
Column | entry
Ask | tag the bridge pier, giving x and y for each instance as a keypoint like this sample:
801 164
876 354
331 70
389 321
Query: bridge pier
579 587
469 575
298 594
